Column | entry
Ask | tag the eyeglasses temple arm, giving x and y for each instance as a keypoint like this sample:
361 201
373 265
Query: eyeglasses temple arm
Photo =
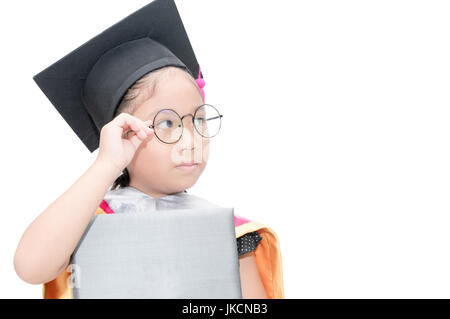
215 117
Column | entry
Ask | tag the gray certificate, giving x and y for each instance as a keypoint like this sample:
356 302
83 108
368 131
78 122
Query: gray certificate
180 253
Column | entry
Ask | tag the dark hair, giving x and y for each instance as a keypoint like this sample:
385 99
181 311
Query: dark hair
140 91
123 180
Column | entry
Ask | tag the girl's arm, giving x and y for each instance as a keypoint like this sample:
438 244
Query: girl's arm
251 284
45 248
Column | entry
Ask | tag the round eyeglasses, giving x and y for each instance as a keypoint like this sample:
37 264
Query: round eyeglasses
168 124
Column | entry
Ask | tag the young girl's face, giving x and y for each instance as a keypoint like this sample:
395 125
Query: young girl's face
155 166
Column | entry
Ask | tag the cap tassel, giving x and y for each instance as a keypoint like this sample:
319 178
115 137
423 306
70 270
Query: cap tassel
201 83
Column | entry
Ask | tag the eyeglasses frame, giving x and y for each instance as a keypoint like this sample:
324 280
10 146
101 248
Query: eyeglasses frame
193 122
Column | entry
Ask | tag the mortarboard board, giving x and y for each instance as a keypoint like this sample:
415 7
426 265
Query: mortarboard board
87 85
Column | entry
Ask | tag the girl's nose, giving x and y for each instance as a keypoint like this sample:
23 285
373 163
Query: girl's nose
189 137
187 122
188 130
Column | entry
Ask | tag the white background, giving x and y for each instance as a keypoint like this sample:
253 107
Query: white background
335 133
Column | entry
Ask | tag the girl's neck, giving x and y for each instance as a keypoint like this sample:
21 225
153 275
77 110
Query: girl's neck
150 192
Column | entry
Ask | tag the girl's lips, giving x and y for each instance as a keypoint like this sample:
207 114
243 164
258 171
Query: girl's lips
188 167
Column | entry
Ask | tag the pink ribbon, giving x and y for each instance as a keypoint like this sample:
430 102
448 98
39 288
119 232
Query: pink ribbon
201 83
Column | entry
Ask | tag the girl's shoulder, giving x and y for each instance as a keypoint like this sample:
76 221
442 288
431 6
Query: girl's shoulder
264 242
246 225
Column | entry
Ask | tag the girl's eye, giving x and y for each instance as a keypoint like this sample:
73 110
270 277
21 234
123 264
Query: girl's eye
200 120
165 124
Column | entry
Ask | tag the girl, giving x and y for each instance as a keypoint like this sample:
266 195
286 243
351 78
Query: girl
145 162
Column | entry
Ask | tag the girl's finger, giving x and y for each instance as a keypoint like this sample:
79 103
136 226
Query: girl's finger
125 120
135 141
148 122
138 127
142 134
145 127
128 123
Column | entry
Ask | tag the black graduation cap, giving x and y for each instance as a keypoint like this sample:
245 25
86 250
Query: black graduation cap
87 85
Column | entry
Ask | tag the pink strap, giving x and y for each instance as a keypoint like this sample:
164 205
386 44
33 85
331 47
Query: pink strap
238 220
106 208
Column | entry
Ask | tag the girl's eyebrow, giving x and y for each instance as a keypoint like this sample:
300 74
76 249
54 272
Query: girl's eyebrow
153 113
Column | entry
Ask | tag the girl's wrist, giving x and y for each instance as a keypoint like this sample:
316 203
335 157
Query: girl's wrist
107 168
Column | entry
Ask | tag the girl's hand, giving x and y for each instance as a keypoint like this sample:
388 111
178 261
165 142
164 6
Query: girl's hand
120 138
